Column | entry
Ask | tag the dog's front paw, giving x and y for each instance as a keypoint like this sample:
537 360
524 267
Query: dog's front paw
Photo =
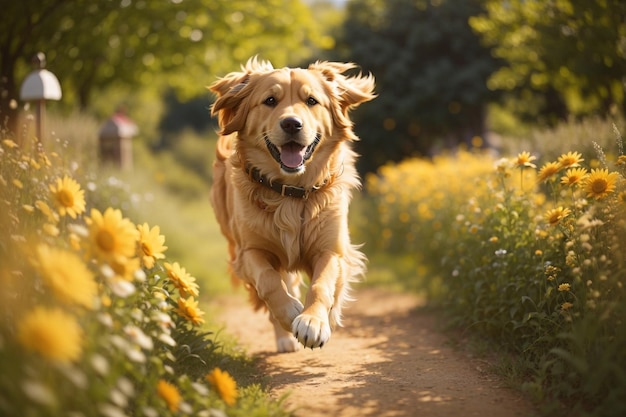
311 331
286 311
287 343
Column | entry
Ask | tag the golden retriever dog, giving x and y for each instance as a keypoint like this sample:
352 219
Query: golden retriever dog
283 177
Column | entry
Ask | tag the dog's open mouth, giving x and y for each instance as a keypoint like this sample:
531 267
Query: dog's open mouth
292 156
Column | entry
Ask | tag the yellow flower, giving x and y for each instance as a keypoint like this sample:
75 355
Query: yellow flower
51 229
621 160
188 309
525 159
181 279
68 197
566 306
9 143
554 216
548 170
52 333
45 209
112 238
570 159
574 176
564 287
67 275
151 245
169 393
600 183
18 183
125 268
224 384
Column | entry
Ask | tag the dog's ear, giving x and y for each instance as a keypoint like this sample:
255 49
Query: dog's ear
230 94
349 91
232 90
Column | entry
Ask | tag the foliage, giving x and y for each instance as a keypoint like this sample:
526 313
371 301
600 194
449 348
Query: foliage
530 258
131 338
92 46
563 57
430 73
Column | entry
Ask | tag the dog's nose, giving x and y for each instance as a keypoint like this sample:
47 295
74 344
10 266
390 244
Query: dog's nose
291 125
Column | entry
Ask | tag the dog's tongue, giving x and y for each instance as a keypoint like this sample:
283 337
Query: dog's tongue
292 155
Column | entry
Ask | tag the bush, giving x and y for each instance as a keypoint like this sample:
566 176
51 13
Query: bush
95 321
531 259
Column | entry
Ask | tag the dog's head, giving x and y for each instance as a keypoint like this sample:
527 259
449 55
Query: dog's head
289 114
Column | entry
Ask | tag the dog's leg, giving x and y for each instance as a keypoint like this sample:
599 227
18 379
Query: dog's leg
270 287
285 342
312 327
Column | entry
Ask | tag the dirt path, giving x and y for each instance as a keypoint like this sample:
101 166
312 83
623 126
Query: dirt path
388 360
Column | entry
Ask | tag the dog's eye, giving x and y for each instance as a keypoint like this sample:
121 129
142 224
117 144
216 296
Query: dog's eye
270 101
311 101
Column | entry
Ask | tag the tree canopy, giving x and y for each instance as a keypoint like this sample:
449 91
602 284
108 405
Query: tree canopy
180 44
430 69
562 56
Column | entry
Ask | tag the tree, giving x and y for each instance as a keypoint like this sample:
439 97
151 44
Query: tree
178 44
563 56
431 73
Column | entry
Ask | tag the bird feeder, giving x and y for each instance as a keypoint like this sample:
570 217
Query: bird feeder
115 140
40 85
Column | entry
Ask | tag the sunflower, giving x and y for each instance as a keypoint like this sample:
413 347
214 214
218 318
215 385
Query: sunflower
600 183
548 170
554 216
111 237
68 197
524 160
67 275
181 279
574 176
52 333
188 309
169 393
224 384
570 159
125 268
151 245
47 211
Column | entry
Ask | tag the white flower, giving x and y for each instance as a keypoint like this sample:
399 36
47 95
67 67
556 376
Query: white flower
100 364
138 337
109 410
121 288
39 393
167 339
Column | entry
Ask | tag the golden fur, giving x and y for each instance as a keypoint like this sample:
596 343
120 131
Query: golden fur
271 237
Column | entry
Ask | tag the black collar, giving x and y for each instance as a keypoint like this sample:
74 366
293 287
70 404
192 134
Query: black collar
283 189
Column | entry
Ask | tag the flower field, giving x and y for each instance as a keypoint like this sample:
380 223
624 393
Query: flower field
95 320
527 254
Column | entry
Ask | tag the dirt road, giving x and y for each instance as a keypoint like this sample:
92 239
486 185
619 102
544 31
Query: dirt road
388 360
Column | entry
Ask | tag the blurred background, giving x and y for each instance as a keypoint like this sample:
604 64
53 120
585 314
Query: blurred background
477 73
463 86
